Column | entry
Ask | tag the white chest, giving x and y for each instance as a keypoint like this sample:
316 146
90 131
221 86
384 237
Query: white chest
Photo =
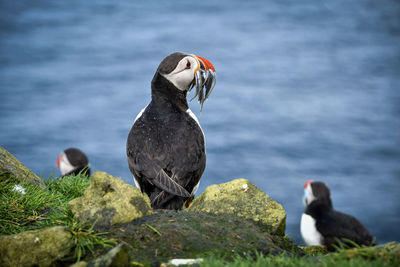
309 232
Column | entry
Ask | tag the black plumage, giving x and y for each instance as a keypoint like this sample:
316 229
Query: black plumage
335 226
78 160
165 146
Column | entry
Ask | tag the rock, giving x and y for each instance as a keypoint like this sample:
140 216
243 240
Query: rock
79 264
117 256
11 167
167 235
245 200
109 200
35 248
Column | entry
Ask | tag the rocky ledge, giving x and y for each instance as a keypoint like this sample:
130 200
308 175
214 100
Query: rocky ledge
235 218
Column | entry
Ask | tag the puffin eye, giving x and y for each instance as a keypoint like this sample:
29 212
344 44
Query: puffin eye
188 65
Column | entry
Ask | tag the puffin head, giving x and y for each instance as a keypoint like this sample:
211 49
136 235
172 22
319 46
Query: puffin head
71 159
186 71
314 190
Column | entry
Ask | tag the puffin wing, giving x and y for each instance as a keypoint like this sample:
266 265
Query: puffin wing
337 225
166 183
145 168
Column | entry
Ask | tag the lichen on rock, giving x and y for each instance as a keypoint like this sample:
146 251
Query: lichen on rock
35 248
245 200
109 200
184 234
117 256
10 166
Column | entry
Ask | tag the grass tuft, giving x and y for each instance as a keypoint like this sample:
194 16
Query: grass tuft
35 208
85 239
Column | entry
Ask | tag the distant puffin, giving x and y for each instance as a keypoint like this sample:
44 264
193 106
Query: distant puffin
322 225
165 147
73 161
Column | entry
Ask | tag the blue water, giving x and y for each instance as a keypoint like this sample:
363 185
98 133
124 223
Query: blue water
305 90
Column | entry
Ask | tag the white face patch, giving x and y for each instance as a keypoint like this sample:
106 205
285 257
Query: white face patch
308 195
183 74
309 231
65 165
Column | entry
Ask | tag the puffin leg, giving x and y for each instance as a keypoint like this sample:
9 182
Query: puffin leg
164 182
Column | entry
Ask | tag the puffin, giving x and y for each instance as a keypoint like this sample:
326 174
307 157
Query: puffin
322 225
73 161
166 146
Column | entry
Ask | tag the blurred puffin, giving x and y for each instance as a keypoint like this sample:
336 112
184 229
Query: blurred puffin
73 161
165 146
322 225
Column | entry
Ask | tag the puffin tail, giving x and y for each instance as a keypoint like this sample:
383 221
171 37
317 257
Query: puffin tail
168 201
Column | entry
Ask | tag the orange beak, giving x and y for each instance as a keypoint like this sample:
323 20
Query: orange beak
307 183
58 161
207 64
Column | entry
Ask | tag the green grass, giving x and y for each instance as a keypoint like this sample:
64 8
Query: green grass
39 208
357 257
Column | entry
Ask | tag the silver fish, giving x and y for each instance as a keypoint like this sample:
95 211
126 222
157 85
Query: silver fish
203 78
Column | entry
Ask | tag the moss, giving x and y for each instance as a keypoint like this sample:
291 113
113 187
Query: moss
109 200
79 264
288 245
170 234
245 200
11 167
118 256
39 247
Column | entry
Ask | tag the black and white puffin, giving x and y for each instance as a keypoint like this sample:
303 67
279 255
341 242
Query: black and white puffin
165 146
322 225
73 161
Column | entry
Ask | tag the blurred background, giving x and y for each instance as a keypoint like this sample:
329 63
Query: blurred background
305 90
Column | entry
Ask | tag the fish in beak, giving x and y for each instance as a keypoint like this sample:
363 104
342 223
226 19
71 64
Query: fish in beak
204 77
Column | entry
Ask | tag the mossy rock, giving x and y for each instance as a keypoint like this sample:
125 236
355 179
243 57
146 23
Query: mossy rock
245 200
117 256
35 248
11 167
109 200
185 234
